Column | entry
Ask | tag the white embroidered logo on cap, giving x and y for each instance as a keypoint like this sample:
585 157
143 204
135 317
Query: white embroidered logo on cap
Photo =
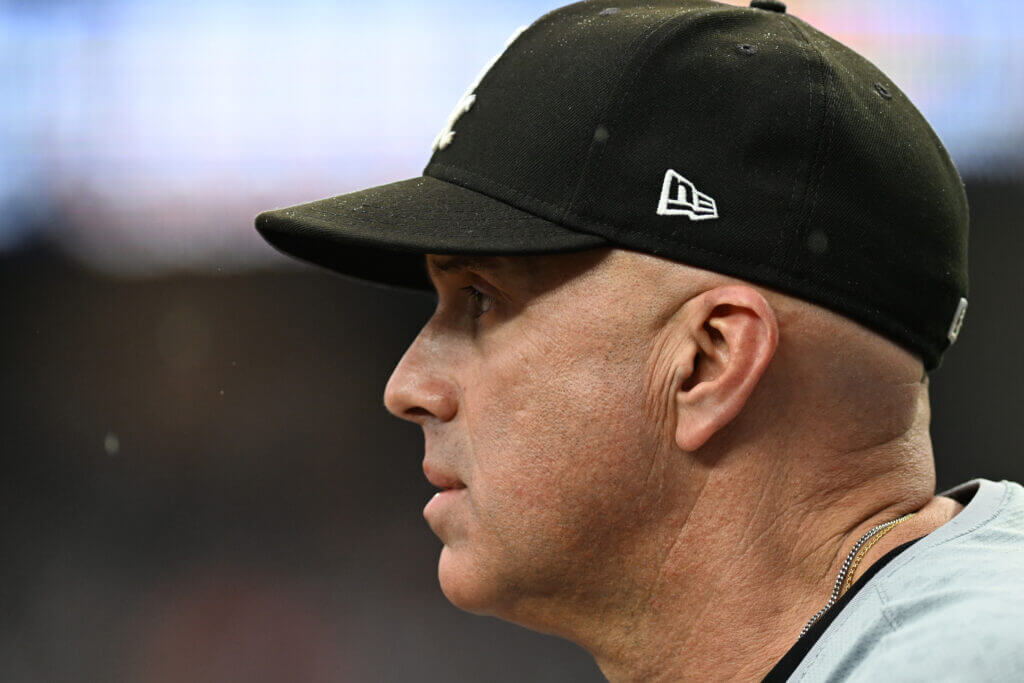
679 197
445 137
958 321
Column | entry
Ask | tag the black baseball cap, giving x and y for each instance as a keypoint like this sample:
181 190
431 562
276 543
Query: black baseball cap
734 139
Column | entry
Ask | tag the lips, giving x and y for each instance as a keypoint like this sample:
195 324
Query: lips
441 479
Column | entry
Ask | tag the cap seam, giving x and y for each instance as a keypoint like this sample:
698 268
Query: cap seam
825 140
786 252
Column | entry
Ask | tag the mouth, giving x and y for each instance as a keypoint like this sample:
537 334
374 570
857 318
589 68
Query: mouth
441 479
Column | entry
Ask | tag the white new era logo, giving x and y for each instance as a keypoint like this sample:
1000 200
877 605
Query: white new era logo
680 198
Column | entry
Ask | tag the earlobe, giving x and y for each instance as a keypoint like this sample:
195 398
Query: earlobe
735 331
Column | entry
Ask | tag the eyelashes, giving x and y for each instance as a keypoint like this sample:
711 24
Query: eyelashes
481 302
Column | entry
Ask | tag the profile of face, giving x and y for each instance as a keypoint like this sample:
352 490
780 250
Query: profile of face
576 407
546 414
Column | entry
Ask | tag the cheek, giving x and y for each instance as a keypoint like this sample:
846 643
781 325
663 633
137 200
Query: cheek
561 451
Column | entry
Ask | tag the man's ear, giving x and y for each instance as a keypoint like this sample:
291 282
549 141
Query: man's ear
734 334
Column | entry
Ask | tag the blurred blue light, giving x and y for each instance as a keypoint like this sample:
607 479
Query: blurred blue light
154 131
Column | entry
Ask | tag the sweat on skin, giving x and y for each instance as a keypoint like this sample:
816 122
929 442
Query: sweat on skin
662 464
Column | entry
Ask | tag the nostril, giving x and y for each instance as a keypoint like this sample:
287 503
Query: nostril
413 395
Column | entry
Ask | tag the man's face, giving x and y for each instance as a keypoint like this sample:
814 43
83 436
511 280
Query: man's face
544 412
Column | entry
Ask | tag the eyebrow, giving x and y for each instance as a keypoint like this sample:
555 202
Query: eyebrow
511 273
457 263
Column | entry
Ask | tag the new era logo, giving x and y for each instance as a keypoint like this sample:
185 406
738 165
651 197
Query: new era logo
680 198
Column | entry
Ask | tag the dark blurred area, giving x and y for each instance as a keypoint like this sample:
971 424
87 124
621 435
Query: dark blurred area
202 484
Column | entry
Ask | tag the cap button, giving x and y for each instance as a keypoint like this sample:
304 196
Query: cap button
770 5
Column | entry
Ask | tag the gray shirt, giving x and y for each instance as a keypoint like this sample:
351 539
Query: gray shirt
948 608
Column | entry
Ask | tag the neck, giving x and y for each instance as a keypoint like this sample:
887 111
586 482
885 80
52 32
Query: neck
743 575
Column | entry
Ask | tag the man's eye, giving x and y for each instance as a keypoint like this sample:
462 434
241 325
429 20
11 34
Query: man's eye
481 302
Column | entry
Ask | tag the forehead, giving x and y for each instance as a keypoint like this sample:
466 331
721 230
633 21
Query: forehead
532 272
508 267
453 263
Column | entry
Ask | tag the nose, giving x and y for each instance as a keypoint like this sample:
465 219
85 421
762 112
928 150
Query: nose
418 389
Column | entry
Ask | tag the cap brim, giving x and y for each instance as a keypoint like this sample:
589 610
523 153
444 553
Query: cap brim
380 234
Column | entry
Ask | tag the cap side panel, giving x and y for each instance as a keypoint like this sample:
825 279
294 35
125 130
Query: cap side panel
644 46
891 211
821 88
739 146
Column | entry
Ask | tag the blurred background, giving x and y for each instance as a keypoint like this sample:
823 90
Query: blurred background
200 480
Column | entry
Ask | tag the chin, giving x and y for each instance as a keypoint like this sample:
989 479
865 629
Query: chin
464 584
471 588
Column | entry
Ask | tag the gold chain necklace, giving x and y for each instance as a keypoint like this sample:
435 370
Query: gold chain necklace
863 551
852 560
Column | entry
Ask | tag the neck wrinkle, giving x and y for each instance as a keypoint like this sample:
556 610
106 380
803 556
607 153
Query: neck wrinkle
743 573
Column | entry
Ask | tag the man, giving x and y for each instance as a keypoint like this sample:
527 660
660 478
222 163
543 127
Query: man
693 263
